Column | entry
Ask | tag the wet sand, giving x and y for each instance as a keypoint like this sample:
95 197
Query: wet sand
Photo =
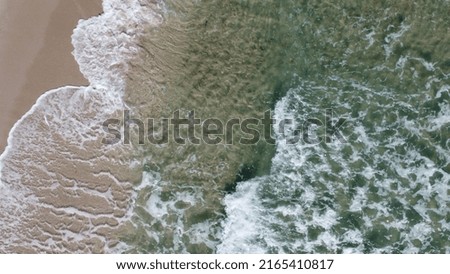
35 52
63 189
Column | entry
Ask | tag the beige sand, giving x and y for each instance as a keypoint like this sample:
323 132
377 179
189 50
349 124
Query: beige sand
35 52
62 189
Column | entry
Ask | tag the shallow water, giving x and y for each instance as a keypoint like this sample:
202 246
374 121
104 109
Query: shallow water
385 188
382 188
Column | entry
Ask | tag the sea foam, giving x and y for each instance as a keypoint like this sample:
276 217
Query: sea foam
54 163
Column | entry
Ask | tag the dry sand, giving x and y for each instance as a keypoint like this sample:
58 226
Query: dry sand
35 52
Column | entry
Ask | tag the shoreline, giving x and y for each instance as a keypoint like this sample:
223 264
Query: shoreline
62 182
35 55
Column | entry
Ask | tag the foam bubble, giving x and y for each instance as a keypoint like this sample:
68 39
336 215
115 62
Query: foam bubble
244 220
66 190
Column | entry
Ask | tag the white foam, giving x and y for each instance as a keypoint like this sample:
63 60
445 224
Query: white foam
394 37
442 90
268 218
369 38
243 224
170 213
103 45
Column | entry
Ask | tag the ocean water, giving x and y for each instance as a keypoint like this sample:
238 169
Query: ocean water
376 70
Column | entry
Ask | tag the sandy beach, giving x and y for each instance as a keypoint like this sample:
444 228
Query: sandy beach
35 52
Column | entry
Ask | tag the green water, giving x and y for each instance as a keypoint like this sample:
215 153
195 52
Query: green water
382 65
